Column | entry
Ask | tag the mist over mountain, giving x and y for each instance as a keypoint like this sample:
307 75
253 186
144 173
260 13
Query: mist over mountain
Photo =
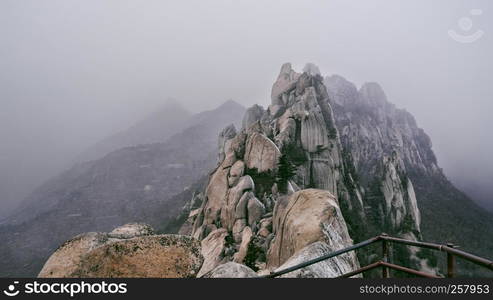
157 127
476 185
42 139
99 67
143 183
351 142
88 139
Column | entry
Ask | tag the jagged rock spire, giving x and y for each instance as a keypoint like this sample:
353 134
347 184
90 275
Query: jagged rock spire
246 186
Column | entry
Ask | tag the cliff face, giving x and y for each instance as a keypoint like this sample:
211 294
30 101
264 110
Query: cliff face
371 127
398 173
382 142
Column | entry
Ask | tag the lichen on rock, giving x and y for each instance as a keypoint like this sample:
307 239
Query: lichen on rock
128 251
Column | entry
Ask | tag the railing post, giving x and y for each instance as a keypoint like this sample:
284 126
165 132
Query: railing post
385 256
450 262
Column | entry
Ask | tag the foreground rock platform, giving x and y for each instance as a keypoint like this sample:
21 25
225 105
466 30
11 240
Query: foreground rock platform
128 251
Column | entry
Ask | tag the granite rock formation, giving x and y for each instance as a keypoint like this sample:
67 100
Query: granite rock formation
128 251
285 165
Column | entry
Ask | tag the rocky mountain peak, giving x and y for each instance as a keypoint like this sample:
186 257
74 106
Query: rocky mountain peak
252 115
230 104
286 80
286 158
300 148
341 91
311 69
373 94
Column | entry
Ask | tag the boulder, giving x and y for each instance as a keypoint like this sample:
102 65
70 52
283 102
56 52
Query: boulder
265 227
255 211
241 207
236 172
246 238
234 194
224 140
329 268
131 230
238 144
231 270
159 256
238 227
304 218
215 193
65 260
212 249
261 153
98 255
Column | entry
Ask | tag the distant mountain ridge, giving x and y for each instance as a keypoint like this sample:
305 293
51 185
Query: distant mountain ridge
156 127
144 183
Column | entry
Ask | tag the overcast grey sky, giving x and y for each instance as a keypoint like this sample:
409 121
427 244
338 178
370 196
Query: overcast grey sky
72 72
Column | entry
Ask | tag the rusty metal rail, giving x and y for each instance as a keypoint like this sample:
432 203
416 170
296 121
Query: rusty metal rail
449 248
386 265
324 257
383 264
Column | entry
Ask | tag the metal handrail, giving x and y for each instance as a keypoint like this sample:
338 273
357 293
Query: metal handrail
324 257
361 270
449 249
387 265
445 248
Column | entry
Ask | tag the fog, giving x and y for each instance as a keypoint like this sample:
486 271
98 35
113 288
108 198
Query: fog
73 72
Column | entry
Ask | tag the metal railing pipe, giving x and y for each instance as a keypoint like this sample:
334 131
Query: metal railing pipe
407 270
386 240
385 255
324 257
462 254
470 257
412 243
361 270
